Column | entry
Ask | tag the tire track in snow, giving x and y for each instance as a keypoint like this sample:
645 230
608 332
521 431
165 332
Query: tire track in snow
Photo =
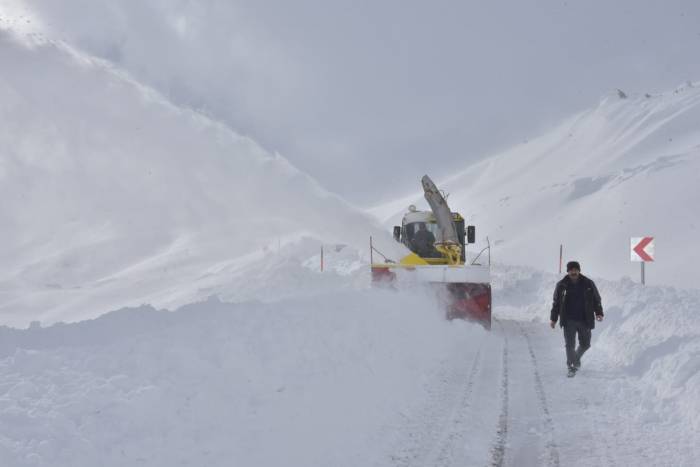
552 451
498 450
454 431
439 426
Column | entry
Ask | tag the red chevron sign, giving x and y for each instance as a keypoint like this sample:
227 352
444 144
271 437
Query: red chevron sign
642 249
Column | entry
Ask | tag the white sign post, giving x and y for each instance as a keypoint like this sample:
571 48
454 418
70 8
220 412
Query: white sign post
642 250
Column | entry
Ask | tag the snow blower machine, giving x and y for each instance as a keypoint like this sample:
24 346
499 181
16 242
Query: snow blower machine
438 240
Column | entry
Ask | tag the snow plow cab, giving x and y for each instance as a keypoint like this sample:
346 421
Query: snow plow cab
438 242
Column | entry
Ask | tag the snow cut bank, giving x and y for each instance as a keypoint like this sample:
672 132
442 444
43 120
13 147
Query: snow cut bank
315 381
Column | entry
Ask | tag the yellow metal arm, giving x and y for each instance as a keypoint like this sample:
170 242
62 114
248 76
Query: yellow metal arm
452 252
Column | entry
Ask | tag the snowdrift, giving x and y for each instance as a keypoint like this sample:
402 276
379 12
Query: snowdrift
113 197
627 168
317 381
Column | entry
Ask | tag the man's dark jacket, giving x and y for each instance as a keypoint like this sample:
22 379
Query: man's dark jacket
591 298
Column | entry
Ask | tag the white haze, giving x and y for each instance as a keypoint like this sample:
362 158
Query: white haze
365 96
112 196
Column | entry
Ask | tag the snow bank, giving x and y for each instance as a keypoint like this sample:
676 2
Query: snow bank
653 334
316 381
627 168
113 197
650 334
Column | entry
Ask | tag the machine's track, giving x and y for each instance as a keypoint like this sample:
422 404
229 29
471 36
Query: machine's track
455 426
498 449
552 451
441 424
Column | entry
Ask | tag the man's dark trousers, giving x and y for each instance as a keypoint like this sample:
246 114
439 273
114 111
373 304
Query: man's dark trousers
571 328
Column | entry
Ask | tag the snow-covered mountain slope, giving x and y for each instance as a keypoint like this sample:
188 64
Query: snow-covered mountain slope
111 196
627 168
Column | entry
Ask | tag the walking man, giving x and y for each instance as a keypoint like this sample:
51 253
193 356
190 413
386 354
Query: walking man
577 306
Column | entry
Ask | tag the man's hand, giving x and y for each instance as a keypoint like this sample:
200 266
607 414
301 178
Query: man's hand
599 317
552 324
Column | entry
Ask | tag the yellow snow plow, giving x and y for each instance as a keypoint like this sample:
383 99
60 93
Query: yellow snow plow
438 240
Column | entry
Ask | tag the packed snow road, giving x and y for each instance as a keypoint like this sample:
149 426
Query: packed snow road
511 404
493 410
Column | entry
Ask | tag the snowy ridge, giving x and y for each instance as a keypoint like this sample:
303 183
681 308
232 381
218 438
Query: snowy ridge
114 197
628 168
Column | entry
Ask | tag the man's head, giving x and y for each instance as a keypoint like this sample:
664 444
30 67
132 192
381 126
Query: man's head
573 269
421 226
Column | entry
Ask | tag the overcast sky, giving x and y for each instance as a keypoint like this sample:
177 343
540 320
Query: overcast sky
367 96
